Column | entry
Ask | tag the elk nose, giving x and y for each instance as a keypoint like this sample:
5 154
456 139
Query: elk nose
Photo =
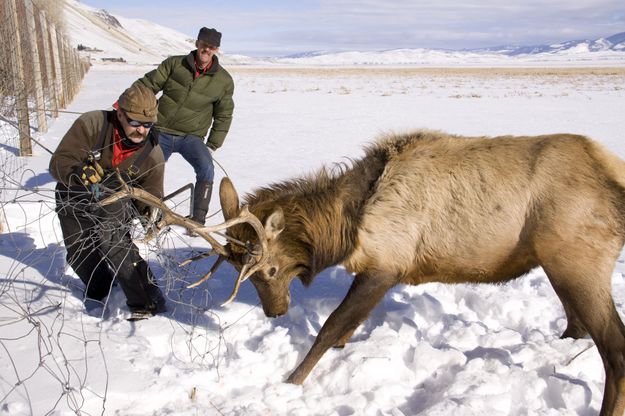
275 313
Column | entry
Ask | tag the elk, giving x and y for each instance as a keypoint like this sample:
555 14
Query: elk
432 207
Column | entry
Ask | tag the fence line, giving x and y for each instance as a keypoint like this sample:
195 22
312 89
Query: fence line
40 73
54 69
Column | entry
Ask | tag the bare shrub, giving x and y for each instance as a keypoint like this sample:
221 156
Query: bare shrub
54 12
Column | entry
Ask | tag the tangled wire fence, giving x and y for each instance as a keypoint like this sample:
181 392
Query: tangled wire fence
49 339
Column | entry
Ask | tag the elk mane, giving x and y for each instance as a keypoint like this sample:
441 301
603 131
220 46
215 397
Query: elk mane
328 203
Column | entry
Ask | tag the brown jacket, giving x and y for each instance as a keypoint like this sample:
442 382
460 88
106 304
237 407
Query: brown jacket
80 140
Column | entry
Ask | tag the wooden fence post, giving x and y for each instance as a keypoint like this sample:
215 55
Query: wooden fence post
31 33
57 66
56 61
74 69
65 71
49 64
21 97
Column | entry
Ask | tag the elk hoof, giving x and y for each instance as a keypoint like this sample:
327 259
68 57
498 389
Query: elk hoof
574 332
295 379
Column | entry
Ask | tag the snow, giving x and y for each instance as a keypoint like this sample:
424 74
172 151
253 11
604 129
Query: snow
428 350
580 55
136 40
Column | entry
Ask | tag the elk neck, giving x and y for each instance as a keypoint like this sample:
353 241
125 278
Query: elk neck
322 211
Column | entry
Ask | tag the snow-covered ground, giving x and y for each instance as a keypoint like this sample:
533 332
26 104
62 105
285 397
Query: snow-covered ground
428 350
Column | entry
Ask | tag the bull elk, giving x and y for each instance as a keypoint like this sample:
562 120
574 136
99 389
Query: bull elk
431 207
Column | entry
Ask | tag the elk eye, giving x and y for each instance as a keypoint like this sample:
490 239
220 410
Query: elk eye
272 271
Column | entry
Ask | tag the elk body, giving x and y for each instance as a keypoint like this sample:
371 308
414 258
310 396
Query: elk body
430 207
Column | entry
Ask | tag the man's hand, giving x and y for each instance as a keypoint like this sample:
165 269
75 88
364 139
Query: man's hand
91 173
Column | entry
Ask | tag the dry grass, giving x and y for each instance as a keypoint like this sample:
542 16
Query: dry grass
54 12
332 72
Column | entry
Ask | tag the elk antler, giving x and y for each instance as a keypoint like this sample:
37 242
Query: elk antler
169 217
208 275
251 266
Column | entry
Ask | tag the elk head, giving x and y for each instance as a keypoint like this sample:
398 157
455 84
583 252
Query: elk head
256 249
274 271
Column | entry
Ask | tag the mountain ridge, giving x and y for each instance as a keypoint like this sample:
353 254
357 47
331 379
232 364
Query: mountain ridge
104 36
615 42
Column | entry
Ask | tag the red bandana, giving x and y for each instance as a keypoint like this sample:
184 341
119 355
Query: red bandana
120 153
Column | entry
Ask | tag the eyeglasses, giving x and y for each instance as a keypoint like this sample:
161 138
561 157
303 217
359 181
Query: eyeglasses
136 124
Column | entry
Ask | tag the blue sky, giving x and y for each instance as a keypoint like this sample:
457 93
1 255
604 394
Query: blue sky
278 27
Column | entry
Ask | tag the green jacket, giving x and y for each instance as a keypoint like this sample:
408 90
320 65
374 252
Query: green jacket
188 105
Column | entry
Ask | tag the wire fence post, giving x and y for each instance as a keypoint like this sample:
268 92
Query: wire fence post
62 74
48 61
31 33
21 96
56 67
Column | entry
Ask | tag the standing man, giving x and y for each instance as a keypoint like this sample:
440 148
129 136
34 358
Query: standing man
197 95
97 238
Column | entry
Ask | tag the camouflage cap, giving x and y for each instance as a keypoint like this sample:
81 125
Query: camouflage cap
139 103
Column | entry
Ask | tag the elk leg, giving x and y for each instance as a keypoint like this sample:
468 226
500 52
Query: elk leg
365 292
341 342
587 292
574 328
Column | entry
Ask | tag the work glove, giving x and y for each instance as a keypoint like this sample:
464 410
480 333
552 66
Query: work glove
91 173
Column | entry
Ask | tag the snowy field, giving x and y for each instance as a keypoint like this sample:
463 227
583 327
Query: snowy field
427 350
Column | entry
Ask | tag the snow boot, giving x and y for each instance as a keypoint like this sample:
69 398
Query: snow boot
201 198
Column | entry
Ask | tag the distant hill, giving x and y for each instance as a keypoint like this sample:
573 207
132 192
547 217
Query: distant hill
612 43
603 52
107 37
104 36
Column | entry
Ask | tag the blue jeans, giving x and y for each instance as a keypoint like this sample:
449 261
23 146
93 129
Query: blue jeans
193 150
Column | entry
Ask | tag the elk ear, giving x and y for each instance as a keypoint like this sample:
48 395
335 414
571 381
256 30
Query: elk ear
274 224
229 199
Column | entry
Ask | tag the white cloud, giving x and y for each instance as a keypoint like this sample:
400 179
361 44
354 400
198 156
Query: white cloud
277 27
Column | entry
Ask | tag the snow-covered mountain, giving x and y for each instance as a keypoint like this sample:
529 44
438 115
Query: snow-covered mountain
603 51
612 43
104 36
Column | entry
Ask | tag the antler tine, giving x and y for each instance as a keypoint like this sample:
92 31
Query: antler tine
208 275
198 257
246 272
245 216
236 285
